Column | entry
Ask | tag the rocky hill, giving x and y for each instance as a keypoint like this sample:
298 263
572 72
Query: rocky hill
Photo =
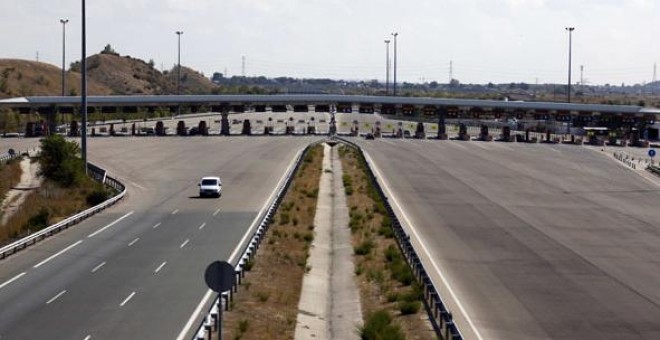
108 74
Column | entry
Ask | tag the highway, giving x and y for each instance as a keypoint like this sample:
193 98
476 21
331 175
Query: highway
136 270
535 241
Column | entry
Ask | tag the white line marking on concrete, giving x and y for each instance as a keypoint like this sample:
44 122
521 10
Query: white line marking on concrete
424 248
127 299
12 280
202 226
160 267
156 225
56 255
216 212
176 211
184 243
109 225
98 267
134 242
56 297
209 293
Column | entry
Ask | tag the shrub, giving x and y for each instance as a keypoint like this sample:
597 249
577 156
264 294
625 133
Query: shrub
409 307
284 218
392 253
379 327
365 247
401 272
98 196
39 220
59 161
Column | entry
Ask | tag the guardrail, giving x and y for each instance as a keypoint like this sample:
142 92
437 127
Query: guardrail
210 323
439 315
96 173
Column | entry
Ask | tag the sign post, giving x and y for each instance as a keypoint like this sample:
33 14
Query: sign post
220 277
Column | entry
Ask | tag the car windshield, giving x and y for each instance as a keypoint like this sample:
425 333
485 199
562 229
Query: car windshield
209 182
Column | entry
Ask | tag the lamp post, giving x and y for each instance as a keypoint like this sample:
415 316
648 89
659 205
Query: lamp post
387 67
83 87
64 22
570 50
395 34
178 77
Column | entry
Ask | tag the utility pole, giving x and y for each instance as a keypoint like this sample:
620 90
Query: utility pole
83 87
570 50
243 67
178 77
655 72
64 22
395 35
387 67
37 56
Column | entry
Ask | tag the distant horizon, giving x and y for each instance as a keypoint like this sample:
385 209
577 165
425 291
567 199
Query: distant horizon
210 76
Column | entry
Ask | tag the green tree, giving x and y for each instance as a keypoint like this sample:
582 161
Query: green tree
59 161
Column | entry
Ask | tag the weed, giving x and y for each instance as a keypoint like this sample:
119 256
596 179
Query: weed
379 326
409 307
262 296
365 247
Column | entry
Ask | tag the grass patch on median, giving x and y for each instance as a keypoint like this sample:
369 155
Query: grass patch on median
270 293
391 299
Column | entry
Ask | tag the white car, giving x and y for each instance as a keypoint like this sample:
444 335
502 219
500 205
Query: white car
210 186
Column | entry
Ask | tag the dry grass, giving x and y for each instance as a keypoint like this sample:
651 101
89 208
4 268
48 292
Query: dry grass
379 290
266 305
45 206
10 175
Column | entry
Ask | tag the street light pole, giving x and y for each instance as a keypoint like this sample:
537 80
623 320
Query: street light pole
570 51
387 67
178 77
395 34
83 87
64 22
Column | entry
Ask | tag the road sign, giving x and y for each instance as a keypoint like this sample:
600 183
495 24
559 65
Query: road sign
220 276
652 153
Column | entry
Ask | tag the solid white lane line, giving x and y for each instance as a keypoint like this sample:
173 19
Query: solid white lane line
216 212
56 255
56 297
157 225
194 315
98 267
127 299
184 243
394 200
202 226
12 280
160 267
134 242
109 225
175 212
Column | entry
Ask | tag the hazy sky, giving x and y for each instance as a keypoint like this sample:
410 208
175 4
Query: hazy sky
488 40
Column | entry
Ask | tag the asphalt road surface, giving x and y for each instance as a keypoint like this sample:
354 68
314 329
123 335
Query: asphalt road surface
136 270
535 241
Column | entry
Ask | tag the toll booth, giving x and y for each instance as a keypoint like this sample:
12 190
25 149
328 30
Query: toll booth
279 108
355 129
224 124
408 110
462 132
74 130
506 134
160 128
613 139
112 129
181 128
247 128
238 108
36 129
377 130
429 111
529 138
202 128
636 139
484 136
260 108
442 126
419 132
596 135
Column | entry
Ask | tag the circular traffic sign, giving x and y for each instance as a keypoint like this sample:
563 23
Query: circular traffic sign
220 276
652 153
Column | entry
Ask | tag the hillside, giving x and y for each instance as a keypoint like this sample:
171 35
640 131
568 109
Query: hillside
20 78
108 73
